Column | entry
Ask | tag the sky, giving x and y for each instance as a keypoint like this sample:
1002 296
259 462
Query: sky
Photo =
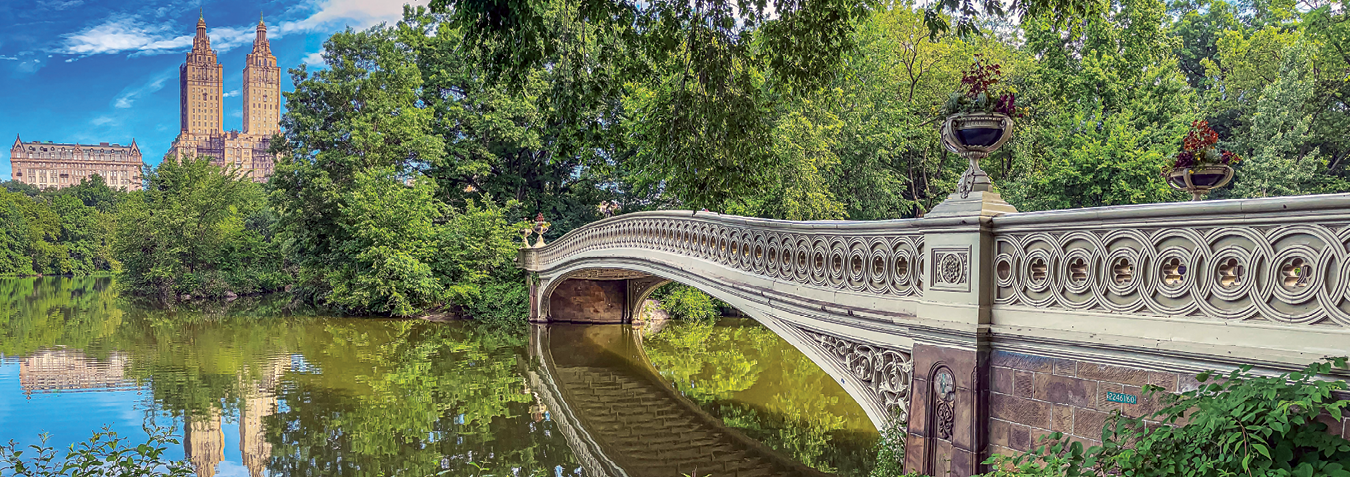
92 71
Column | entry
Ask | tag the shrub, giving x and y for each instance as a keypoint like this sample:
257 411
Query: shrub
103 454
891 450
687 303
1238 424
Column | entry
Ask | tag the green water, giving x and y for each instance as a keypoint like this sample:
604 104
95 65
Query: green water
261 386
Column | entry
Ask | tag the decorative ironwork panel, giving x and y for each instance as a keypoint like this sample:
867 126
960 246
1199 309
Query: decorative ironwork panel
1292 274
951 269
883 372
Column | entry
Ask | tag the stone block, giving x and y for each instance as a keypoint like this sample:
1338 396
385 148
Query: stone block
1020 410
1019 437
1024 384
1020 361
1064 390
1088 423
1187 382
1167 381
1102 404
1062 419
1147 404
963 462
1112 374
1085 442
1002 380
1040 437
1066 367
915 451
998 432
1334 427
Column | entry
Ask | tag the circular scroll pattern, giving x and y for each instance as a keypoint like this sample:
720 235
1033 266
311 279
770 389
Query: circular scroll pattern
1296 274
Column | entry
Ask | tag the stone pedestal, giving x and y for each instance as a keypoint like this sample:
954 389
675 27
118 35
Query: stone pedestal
948 427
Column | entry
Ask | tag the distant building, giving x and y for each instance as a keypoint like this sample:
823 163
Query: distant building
201 85
49 164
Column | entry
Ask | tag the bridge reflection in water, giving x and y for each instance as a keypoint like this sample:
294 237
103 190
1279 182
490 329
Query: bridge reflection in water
621 419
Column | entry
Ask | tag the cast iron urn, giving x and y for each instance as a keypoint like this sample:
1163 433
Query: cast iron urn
1201 179
974 136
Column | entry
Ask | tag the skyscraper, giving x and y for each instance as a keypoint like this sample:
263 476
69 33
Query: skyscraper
202 133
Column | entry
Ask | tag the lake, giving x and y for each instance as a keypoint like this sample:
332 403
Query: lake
264 386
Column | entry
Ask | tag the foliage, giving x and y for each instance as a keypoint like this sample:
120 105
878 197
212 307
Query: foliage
197 230
891 450
1110 111
981 96
103 454
359 196
1197 149
1234 424
57 231
687 303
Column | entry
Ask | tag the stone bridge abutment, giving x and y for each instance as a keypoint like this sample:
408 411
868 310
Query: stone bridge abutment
980 328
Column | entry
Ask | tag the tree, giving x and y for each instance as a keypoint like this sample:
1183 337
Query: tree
1110 108
1283 158
355 134
182 235
372 152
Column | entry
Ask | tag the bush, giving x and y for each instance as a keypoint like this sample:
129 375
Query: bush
103 454
686 302
501 303
1238 424
891 450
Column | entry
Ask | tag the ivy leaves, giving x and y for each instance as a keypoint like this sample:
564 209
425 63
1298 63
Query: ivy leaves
1236 423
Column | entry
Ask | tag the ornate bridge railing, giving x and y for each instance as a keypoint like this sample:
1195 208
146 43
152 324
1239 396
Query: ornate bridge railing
883 257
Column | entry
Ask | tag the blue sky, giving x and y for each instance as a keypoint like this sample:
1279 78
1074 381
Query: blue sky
94 71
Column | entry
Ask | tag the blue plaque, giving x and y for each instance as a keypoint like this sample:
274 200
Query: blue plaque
1121 397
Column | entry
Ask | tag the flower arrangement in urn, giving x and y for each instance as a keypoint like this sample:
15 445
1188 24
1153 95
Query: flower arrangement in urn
981 95
1201 166
978 121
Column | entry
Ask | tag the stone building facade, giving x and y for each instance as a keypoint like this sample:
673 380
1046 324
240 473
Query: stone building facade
49 164
201 100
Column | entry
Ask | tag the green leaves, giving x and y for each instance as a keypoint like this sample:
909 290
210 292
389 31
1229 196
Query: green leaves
185 234
1245 424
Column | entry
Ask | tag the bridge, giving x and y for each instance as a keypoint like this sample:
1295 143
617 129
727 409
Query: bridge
979 328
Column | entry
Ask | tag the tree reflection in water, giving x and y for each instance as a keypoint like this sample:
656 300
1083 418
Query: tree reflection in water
313 395
743 373
316 395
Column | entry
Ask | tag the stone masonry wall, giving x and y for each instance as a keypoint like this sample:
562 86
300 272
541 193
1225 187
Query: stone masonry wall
589 301
1032 396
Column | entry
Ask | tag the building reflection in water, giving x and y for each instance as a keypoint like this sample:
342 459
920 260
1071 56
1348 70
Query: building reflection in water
204 441
69 370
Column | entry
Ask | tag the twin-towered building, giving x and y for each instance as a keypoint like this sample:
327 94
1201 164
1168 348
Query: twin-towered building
201 130
201 85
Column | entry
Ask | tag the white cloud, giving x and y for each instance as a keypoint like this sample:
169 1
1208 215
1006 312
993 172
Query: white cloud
314 59
230 94
101 120
10 58
125 34
134 36
130 94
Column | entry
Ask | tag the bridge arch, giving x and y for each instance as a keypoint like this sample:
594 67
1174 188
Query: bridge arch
876 375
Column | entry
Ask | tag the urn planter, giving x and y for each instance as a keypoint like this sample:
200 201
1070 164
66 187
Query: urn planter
1200 180
974 136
